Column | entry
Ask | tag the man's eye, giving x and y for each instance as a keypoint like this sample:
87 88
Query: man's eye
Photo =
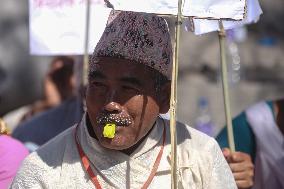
130 88
97 84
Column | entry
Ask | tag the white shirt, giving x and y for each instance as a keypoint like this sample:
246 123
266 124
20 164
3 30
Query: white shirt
57 164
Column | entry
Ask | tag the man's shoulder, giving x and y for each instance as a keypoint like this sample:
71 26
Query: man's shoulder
188 136
201 153
57 144
45 163
198 141
51 153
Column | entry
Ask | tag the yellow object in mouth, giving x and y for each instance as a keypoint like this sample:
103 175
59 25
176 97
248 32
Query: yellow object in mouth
109 130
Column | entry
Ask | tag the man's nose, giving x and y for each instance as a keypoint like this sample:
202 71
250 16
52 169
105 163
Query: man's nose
113 107
112 103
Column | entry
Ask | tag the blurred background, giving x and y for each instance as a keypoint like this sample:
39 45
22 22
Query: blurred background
255 63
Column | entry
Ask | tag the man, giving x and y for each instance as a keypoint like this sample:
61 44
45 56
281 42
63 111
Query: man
259 132
121 142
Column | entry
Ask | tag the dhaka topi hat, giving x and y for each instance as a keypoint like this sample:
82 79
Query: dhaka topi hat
140 37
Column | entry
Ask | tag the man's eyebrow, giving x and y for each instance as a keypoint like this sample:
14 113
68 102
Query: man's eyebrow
132 81
96 75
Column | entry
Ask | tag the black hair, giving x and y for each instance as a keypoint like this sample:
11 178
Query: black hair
159 81
61 76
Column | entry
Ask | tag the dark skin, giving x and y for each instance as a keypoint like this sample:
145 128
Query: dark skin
127 150
242 167
279 114
124 89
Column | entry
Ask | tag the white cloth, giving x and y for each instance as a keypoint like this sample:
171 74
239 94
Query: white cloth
57 164
229 9
58 27
269 165
202 26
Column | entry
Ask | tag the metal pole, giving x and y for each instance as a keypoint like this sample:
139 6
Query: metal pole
222 40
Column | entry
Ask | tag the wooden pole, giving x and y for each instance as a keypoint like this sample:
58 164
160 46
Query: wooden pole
222 41
86 46
173 102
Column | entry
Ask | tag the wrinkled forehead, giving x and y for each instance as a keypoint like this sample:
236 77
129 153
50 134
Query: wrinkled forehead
123 67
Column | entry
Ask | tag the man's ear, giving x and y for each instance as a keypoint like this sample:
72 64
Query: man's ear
83 91
164 97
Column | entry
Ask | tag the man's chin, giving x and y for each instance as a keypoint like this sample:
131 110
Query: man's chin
114 144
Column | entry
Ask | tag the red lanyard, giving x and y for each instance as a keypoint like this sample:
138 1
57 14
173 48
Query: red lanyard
86 163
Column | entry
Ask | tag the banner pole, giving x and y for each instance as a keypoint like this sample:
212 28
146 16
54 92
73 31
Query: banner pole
86 46
222 41
173 102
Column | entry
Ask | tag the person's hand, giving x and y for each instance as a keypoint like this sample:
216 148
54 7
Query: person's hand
241 166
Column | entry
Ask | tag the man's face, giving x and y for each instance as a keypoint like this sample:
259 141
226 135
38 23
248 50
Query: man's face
123 92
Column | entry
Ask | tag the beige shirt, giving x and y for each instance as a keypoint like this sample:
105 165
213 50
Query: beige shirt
57 164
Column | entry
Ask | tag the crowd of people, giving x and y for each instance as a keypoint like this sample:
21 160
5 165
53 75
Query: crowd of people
120 140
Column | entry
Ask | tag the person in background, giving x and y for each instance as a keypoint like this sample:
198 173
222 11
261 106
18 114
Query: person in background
12 153
59 109
121 142
58 86
41 128
242 167
259 138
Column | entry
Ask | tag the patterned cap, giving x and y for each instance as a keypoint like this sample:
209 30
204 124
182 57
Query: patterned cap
141 37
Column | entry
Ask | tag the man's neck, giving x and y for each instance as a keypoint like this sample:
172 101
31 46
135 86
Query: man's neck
130 150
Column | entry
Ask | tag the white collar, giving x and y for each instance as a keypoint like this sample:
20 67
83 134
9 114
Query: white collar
115 166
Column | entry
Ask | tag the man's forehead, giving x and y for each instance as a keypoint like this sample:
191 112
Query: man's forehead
123 72
123 66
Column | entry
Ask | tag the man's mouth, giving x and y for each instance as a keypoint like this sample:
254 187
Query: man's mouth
117 119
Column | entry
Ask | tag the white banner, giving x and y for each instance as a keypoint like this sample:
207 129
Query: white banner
58 26
229 9
201 26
